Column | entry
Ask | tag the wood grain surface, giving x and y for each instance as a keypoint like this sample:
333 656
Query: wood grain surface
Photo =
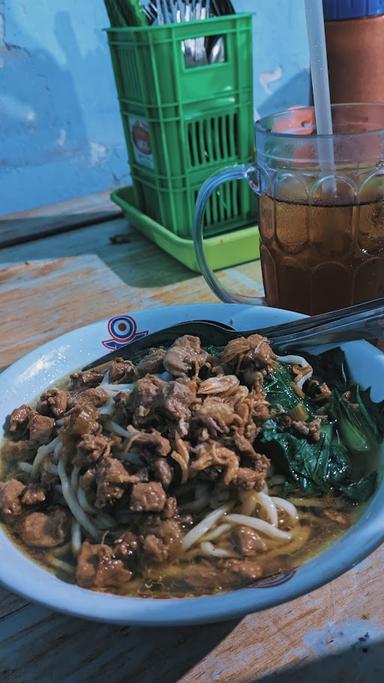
41 299
55 218
334 635
151 275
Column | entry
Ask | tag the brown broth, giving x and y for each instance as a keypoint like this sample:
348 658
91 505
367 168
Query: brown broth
169 579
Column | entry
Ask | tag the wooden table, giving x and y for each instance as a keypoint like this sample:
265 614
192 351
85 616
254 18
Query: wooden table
81 263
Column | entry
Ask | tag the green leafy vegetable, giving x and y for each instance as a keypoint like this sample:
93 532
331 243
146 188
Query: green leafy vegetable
372 411
352 428
316 468
331 367
357 430
351 432
279 389
360 490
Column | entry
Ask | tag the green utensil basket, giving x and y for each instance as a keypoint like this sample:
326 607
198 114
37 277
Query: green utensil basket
184 122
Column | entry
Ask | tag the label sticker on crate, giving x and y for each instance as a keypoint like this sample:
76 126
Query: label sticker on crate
141 141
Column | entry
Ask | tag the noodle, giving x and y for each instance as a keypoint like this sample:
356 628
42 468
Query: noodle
292 359
288 507
209 549
181 456
57 450
202 527
83 501
302 362
107 408
260 525
181 460
75 479
114 427
73 505
75 538
249 502
50 468
219 531
105 379
299 539
116 388
61 565
267 505
185 494
41 454
25 466
300 383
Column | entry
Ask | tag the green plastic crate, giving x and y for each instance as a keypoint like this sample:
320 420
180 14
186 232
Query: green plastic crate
230 249
171 202
183 123
195 146
151 71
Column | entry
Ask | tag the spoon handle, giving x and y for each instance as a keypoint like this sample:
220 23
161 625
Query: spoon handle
315 321
363 321
364 324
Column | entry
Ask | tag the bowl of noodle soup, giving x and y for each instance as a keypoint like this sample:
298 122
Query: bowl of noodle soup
194 485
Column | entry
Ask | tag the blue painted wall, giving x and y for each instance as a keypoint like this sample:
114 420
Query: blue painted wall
60 131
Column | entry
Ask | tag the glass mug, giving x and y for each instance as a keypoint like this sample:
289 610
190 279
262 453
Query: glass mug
321 209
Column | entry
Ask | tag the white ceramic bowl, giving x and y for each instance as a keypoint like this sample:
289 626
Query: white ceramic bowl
29 376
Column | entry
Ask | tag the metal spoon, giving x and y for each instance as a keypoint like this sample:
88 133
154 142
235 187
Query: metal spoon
363 321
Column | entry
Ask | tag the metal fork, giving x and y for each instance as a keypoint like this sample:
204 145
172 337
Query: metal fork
362 321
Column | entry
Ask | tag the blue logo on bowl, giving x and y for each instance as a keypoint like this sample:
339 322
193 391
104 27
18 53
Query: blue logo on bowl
123 330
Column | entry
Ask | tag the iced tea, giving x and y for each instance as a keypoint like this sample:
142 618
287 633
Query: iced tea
320 258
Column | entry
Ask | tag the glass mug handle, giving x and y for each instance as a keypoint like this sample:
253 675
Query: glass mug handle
248 172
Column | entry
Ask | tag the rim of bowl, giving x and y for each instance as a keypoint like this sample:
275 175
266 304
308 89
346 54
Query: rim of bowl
353 546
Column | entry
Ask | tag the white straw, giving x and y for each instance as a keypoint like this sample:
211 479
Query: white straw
320 84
